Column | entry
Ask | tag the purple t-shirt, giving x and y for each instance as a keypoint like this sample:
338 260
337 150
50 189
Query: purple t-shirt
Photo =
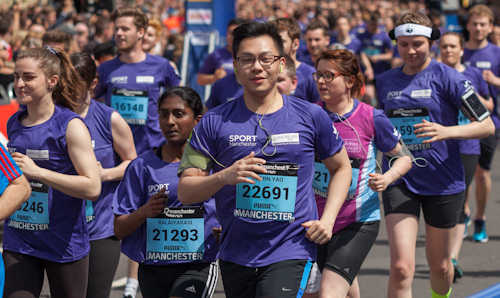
261 223
306 86
133 90
50 225
433 94
162 240
225 89
354 46
364 130
221 57
376 44
486 59
475 76
99 213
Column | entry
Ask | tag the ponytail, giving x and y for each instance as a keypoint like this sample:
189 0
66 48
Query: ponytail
70 89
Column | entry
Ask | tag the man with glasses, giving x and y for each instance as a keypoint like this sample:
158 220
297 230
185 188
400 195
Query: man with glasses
255 155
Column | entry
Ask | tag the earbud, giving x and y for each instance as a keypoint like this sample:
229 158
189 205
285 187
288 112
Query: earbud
281 67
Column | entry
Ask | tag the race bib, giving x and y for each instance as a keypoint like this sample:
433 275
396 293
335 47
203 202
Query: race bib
34 213
404 120
132 105
322 178
176 235
273 198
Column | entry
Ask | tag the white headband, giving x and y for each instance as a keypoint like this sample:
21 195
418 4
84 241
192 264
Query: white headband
412 30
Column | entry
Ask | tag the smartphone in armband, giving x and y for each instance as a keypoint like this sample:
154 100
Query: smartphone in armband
473 107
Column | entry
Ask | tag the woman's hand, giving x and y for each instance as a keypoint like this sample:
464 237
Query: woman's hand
27 165
432 130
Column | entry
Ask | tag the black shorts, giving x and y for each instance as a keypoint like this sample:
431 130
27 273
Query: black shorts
282 279
470 162
346 251
24 276
439 211
488 146
191 280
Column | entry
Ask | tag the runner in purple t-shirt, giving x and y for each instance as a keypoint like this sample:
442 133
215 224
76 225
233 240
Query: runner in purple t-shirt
174 244
132 82
52 146
114 148
451 47
480 53
256 154
290 34
219 63
422 99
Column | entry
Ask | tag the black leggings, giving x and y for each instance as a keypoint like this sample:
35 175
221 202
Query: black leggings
24 276
103 260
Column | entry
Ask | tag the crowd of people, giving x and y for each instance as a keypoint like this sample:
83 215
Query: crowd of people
320 113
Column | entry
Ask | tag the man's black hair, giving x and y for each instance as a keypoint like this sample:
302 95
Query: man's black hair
256 29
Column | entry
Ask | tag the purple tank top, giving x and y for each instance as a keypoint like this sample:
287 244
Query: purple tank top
99 214
51 225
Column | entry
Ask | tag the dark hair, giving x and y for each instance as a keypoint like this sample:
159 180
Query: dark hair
461 40
104 49
256 29
347 64
70 89
188 95
236 21
5 23
317 24
85 66
101 24
140 19
57 36
289 25
290 69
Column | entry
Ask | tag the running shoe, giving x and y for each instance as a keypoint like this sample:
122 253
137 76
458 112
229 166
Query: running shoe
457 270
480 231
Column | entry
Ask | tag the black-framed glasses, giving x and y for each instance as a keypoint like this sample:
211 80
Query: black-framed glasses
265 60
328 76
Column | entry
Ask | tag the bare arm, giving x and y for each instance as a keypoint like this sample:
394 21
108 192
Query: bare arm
196 186
123 144
379 182
87 183
438 132
208 79
339 166
17 192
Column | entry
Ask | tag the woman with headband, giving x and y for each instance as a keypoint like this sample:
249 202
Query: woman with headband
365 131
422 99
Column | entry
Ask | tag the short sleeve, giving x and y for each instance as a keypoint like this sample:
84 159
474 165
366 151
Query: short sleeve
483 89
327 139
458 85
9 171
386 136
129 194
388 44
171 77
203 137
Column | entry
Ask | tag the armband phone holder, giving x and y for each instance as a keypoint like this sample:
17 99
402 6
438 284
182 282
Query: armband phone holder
472 107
